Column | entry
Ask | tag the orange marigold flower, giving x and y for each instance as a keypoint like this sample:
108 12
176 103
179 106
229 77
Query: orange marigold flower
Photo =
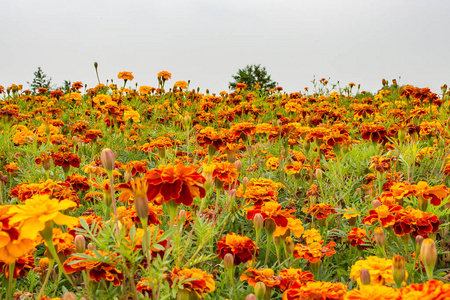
164 75
380 270
208 136
380 164
178 183
241 247
261 275
225 172
182 85
384 213
259 191
430 290
143 286
125 75
96 269
433 194
373 292
320 210
311 236
21 268
374 132
63 242
401 190
358 238
294 225
315 290
78 182
272 163
242 129
314 251
416 222
66 159
200 282
271 210
289 276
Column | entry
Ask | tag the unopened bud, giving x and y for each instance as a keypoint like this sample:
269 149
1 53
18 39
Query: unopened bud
376 203
258 221
80 243
245 181
270 226
95 65
428 254
398 270
238 165
365 277
379 237
277 241
251 297
91 247
228 261
108 158
182 215
419 240
141 206
319 174
260 290
289 243
69 296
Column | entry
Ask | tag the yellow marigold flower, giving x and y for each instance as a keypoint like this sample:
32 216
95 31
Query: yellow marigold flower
372 292
131 114
312 235
38 210
272 163
350 213
380 270
125 75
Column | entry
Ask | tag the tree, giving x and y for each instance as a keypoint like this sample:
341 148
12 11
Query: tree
40 80
251 75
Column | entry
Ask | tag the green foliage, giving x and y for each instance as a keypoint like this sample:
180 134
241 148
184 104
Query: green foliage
40 81
251 75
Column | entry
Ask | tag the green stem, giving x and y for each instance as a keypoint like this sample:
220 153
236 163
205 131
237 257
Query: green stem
11 280
51 262
269 243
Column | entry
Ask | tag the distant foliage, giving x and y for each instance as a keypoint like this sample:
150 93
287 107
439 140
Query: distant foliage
253 76
40 81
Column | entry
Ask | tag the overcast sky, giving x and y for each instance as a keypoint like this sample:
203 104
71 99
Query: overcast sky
207 41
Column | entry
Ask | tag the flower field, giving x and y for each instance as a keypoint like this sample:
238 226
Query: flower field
135 192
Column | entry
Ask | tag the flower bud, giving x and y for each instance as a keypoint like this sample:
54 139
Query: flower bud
95 65
359 192
277 241
365 277
398 270
376 203
69 296
319 174
379 237
270 226
419 240
228 261
245 181
91 247
141 206
80 243
289 243
127 176
238 165
182 215
258 221
108 158
260 290
251 297
428 254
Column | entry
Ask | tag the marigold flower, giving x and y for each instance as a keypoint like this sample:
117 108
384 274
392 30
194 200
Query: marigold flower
97 270
430 290
315 290
433 194
21 268
178 183
125 75
314 251
267 276
358 238
271 210
38 210
320 210
312 235
415 222
373 292
380 270
164 75
200 282
240 246
384 213
289 276
225 172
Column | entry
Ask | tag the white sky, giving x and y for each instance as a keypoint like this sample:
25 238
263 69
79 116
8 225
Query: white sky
207 41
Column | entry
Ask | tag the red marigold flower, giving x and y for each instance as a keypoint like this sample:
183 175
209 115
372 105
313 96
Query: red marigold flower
416 222
97 270
271 210
178 183
21 268
66 159
289 276
143 286
433 194
78 182
315 290
320 210
430 290
241 247
358 237
384 213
